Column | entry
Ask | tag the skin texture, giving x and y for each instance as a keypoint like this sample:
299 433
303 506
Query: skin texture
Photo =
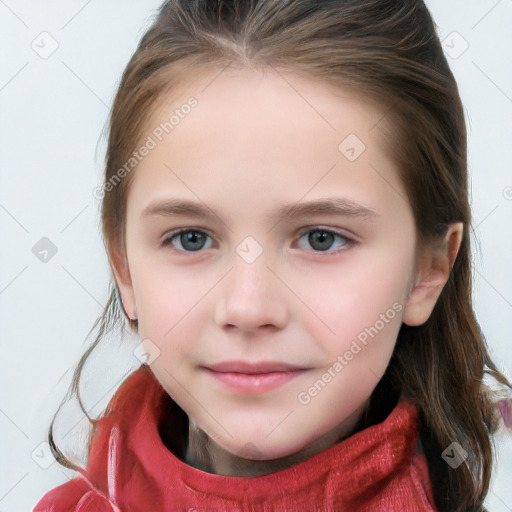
254 142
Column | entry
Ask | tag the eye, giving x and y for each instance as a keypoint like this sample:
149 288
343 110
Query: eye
191 240
322 240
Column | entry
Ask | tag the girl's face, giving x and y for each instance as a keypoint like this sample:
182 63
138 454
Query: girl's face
320 289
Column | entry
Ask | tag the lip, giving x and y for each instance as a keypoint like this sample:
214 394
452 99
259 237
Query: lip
253 368
253 378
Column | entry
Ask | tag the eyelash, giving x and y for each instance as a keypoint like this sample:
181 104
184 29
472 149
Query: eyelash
348 241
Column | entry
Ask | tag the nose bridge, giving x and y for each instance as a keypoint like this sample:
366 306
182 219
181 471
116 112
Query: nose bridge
251 296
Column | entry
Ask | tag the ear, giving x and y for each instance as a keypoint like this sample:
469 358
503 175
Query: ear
433 273
121 271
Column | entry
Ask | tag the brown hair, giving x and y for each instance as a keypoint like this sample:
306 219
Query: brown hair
391 52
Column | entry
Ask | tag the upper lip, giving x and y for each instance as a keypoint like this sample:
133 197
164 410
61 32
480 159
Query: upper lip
245 367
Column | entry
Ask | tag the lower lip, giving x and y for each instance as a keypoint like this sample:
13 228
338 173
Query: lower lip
256 382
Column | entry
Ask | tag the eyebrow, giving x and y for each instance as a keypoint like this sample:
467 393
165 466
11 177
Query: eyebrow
335 206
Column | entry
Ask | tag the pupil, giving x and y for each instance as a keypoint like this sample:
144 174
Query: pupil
321 236
192 237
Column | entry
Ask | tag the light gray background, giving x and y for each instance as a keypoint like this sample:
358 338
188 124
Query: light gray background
53 112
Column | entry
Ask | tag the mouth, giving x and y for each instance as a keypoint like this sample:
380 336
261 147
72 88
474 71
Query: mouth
253 368
253 378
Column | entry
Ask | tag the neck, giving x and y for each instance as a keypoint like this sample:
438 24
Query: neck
205 454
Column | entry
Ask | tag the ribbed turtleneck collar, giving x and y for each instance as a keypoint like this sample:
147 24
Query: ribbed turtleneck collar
378 468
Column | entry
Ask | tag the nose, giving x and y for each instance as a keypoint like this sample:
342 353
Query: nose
252 297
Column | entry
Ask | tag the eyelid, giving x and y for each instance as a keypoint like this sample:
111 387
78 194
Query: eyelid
165 240
344 233
350 240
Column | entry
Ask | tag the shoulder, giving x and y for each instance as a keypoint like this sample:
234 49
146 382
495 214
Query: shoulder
131 390
76 495
81 494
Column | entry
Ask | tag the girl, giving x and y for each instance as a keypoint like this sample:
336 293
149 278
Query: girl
285 210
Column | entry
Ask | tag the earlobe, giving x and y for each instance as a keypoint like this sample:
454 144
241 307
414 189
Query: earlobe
433 273
122 278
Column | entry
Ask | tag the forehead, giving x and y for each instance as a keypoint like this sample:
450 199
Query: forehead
272 131
280 95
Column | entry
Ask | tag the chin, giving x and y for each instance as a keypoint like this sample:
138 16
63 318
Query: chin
252 452
261 451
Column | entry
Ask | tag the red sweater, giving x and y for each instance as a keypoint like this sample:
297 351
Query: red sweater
130 469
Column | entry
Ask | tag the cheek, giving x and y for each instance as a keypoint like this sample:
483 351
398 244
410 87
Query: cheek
363 295
168 301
